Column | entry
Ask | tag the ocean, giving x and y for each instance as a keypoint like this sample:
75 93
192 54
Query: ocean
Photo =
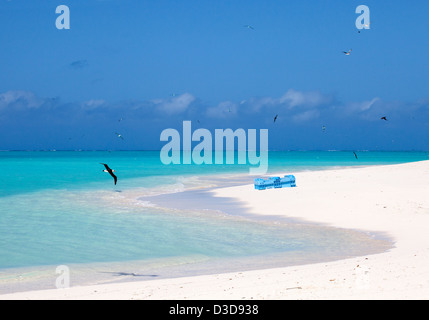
60 208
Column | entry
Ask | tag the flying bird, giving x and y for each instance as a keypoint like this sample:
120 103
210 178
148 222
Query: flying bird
275 118
119 135
323 128
355 154
110 171
348 52
249 27
383 118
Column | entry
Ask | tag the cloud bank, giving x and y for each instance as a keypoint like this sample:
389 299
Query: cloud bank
32 122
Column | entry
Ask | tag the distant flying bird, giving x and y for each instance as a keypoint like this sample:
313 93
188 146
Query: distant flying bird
323 128
383 118
348 52
275 118
120 119
355 154
110 171
249 27
119 135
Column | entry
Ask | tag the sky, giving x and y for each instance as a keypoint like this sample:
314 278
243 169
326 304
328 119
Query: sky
137 67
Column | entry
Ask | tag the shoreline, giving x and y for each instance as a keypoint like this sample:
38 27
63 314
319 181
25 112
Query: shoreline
200 201
390 199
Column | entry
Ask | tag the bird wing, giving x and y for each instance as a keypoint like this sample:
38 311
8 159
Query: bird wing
106 166
114 177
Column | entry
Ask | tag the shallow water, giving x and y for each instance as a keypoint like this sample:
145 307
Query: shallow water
61 209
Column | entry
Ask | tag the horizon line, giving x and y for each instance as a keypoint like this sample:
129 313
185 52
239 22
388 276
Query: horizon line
158 150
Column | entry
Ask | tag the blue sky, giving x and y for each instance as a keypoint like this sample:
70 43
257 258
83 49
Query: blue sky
154 64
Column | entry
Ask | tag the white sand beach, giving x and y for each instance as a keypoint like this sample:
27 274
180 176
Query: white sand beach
393 200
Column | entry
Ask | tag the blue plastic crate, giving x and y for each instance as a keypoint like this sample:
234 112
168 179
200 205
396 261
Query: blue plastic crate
275 182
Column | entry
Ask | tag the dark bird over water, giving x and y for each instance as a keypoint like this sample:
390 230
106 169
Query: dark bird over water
275 118
355 154
383 118
110 171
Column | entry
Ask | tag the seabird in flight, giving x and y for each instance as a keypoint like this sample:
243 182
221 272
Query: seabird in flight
249 27
355 154
110 171
348 52
275 118
119 135
383 118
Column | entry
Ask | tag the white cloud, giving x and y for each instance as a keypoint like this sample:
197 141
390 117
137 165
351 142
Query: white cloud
222 110
256 104
93 103
20 99
174 105
306 115
294 98
289 100
361 106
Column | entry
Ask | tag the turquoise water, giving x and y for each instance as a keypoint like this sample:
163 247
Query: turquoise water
32 171
60 208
